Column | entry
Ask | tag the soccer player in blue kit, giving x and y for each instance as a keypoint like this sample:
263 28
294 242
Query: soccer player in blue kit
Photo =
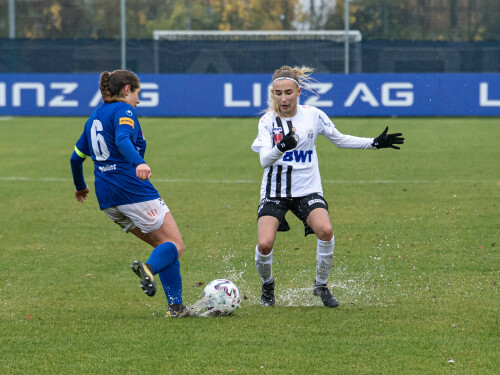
113 138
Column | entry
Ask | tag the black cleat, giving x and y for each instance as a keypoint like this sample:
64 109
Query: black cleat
267 297
178 310
322 291
145 273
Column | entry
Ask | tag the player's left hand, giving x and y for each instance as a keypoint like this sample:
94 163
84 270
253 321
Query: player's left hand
288 142
385 140
81 195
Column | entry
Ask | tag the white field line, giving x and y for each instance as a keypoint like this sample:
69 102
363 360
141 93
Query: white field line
354 182
5 118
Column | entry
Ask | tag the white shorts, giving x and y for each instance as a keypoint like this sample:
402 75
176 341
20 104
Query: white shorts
147 216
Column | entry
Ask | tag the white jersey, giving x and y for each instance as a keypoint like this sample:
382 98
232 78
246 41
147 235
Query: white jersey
296 172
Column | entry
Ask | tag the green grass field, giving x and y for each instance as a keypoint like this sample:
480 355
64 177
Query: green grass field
416 267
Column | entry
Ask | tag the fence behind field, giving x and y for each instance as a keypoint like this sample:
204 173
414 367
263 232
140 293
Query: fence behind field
240 57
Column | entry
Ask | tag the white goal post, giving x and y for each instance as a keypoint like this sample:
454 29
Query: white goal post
332 35
337 36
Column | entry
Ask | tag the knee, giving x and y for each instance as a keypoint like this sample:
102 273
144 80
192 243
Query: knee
180 248
265 247
325 233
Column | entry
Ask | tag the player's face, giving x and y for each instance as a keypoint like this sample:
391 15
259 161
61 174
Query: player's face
286 94
132 97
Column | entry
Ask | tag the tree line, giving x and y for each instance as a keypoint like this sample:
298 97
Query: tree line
449 20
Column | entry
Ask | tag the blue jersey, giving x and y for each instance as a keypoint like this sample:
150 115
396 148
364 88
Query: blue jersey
114 139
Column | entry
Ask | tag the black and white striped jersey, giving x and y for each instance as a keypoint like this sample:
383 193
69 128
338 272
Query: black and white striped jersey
296 172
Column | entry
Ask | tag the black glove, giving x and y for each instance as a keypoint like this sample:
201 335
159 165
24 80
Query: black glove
288 142
385 140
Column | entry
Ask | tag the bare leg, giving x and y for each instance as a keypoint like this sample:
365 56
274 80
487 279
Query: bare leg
267 227
319 221
168 232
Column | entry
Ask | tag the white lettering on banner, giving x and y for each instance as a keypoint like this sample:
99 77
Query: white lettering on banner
59 100
228 98
149 94
19 86
3 94
320 88
484 101
149 99
367 96
406 97
256 99
94 102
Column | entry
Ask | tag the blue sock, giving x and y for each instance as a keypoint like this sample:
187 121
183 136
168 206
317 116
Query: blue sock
162 257
171 280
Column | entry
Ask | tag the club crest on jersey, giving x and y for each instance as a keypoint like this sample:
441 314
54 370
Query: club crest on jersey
277 135
128 112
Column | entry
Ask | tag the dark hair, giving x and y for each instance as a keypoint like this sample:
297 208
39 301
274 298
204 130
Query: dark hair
112 84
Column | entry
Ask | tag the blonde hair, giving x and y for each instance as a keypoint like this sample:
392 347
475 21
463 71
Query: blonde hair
300 75
112 84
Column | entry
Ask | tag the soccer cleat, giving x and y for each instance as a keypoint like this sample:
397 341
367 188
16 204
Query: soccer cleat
178 310
267 297
322 291
145 273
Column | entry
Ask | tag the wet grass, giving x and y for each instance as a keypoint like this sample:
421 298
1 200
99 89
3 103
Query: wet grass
416 258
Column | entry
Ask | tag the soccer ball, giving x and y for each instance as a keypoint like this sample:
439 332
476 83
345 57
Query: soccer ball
221 297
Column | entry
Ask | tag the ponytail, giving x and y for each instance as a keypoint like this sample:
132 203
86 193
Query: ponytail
104 86
112 84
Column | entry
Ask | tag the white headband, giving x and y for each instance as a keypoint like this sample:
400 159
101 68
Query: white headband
290 79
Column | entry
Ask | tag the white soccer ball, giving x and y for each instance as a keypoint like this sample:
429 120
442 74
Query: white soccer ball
221 297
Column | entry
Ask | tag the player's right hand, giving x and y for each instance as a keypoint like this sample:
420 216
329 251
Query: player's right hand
143 171
288 142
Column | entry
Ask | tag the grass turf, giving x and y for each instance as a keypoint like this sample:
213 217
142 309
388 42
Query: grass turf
416 260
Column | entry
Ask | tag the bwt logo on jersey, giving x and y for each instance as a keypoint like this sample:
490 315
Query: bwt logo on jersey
299 156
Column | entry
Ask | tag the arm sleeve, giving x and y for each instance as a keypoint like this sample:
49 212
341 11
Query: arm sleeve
340 140
124 142
77 159
269 156
264 144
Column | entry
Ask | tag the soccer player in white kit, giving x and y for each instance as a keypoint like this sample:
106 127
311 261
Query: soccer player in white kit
286 143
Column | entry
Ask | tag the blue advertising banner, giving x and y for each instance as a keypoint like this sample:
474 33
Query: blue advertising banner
245 95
